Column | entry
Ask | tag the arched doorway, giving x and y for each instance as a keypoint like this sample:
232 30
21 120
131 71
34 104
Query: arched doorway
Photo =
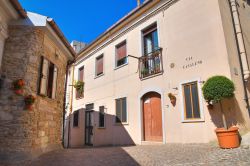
152 117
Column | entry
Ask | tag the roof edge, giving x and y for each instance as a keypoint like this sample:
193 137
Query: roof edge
60 34
18 7
114 26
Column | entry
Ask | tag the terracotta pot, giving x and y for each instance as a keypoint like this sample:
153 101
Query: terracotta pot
19 91
228 138
29 107
173 102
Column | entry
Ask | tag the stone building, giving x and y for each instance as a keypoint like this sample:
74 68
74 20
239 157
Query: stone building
37 52
161 47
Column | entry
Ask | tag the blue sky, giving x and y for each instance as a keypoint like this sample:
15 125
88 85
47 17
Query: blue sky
81 20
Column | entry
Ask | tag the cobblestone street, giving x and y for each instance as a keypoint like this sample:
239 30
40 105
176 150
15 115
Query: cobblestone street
147 155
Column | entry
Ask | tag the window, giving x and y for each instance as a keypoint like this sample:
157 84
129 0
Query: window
75 118
48 79
191 101
80 78
99 66
101 116
121 110
121 54
150 39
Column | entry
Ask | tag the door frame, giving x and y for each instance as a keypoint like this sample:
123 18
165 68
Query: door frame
160 92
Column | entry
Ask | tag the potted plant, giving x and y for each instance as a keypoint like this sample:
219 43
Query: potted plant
144 72
172 99
29 101
157 68
215 90
18 86
79 86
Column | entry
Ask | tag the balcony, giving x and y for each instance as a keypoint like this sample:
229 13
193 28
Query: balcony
151 64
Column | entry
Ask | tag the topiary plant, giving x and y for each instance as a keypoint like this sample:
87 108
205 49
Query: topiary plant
216 89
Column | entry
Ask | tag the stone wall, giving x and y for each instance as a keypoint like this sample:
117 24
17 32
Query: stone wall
21 131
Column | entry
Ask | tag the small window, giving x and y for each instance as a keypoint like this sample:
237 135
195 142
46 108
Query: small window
48 79
99 66
121 110
191 101
101 116
121 54
150 39
76 119
80 78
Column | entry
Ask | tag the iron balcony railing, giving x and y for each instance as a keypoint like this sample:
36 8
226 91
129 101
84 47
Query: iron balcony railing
151 64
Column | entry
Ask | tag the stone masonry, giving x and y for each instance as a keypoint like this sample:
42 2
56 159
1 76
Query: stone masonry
25 132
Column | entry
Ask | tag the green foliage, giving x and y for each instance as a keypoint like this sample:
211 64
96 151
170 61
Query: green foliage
79 86
217 88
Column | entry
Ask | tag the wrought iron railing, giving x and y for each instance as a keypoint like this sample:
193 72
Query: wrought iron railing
151 64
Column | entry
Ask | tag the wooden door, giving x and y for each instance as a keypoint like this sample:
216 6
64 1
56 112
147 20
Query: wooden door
152 116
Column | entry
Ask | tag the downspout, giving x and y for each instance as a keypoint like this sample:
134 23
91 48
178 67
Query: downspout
240 41
64 103
71 102
241 49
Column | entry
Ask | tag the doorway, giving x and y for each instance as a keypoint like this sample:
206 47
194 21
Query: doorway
89 124
152 117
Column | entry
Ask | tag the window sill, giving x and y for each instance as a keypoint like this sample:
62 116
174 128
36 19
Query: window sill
118 67
101 127
193 121
122 124
99 76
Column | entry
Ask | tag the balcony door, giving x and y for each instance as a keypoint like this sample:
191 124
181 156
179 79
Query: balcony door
150 38
151 45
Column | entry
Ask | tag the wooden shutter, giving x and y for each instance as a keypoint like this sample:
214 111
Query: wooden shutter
121 51
124 109
44 76
101 116
99 65
118 111
81 74
54 83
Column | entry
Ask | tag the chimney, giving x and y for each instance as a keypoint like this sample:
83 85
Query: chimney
138 3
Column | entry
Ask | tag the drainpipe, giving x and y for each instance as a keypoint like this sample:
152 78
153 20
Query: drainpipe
71 102
64 103
241 49
240 41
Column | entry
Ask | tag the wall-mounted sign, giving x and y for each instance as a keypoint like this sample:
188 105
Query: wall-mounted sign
191 62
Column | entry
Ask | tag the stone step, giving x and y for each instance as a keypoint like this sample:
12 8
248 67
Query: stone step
151 143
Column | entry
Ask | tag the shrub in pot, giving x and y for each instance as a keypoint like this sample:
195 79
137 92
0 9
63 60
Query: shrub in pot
215 90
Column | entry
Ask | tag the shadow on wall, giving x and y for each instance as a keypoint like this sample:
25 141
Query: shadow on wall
112 134
232 113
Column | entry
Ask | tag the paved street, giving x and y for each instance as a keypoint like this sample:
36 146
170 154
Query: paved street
148 155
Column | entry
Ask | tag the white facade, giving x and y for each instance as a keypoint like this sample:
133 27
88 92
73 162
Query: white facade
192 39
